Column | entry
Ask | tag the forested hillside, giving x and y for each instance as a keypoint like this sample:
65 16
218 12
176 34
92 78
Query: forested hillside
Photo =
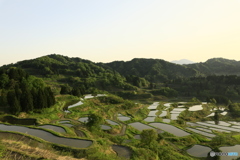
21 92
217 66
149 77
154 70
76 73
218 87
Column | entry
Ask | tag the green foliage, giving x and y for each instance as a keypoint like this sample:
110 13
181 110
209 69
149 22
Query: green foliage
137 81
128 105
218 66
76 72
111 99
134 95
165 91
2 151
218 100
24 92
148 136
15 107
195 100
94 121
234 109
153 70
65 89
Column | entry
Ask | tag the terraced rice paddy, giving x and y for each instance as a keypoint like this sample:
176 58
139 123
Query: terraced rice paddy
199 151
171 129
140 126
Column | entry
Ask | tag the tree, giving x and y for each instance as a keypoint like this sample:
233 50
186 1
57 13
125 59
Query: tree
26 101
148 136
3 98
13 102
4 80
65 89
94 121
13 74
42 100
49 96
213 101
216 117
76 92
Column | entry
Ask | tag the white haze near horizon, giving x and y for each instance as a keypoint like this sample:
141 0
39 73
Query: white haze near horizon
106 30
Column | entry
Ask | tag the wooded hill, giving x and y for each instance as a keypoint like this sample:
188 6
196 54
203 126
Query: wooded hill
21 92
78 76
154 70
217 66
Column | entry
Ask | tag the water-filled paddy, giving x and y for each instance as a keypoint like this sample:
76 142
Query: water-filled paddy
105 127
195 108
219 123
167 104
220 127
88 96
54 128
201 132
178 109
112 122
235 126
122 151
224 113
164 113
236 123
140 126
65 121
204 129
152 113
167 120
219 130
171 129
123 118
74 105
47 136
83 119
174 116
154 105
235 148
149 119
199 151
212 114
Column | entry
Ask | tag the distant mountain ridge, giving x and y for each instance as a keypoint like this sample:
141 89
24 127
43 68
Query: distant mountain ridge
153 70
218 66
182 61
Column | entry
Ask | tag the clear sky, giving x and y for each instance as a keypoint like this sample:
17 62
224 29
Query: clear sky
108 30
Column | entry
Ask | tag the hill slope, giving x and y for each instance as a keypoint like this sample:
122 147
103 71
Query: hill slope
155 70
76 72
218 66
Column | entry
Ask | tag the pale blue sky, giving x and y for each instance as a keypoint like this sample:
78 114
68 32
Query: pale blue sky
108 30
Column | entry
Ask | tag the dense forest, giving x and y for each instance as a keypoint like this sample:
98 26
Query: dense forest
139 77
21 92
217 66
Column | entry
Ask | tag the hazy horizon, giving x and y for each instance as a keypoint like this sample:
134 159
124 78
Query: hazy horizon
105 31
119 59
